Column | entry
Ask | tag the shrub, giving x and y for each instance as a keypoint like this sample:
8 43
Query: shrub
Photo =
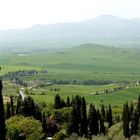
19 127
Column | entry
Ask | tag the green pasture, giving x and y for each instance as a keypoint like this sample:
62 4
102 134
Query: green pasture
88 61
114 98
47 95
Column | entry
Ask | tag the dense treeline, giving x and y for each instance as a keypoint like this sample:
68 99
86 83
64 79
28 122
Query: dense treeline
84 82
21 73
27 120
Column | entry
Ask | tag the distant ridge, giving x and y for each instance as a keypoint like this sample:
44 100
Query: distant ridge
106 29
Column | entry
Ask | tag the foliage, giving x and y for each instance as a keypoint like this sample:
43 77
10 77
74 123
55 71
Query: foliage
19 127
58 102
2 119
125 118
134 123
84 121
52 127
60 135
115 130
93 120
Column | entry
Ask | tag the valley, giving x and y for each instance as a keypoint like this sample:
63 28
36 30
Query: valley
83 70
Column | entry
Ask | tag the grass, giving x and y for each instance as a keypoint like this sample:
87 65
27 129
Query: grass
88 61
114 98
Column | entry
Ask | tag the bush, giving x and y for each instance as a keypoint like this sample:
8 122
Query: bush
60 135
115 130
19 127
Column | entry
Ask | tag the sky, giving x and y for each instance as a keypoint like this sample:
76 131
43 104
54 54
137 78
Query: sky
26 13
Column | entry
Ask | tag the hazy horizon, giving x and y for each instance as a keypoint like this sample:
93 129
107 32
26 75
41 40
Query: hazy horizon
17 14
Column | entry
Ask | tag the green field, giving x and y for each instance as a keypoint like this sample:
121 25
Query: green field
114 98
87 61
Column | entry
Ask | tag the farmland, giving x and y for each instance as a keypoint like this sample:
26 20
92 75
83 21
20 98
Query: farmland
88 61
78 63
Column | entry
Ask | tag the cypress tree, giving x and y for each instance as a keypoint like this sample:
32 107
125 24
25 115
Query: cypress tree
109 116
103 112
90 119
138 106
73 122
99 114
44 124
101 122
63 104
123 113
77 104
72 100
126 120
29 107
102 127
37 114
75 119
93 120
83 118
2 119
12 106
131 110
8 111
57 102
68 102
134 123
19 108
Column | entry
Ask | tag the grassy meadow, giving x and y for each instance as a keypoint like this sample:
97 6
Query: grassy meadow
87 61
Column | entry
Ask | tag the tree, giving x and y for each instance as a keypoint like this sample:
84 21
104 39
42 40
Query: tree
101 123
74 122
61 135
2 119
37 113
12 106
44 124
103 112
93 120
134 123
29 107
109 116
19 108
83 125
131 110
126 120
52 127
68 102
138 106
102 127
8 111
20 127
57 102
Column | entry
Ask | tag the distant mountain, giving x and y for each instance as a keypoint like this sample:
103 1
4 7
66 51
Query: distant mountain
106 29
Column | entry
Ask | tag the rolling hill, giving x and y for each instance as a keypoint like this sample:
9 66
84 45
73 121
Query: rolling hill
104 29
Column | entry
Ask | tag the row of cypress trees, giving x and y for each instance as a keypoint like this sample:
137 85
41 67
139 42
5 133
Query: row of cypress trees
91 123
130 118
80 122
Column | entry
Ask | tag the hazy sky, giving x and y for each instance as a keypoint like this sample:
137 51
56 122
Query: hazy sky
25 13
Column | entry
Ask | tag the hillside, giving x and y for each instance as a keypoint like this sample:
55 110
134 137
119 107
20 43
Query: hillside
86 61
105 29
